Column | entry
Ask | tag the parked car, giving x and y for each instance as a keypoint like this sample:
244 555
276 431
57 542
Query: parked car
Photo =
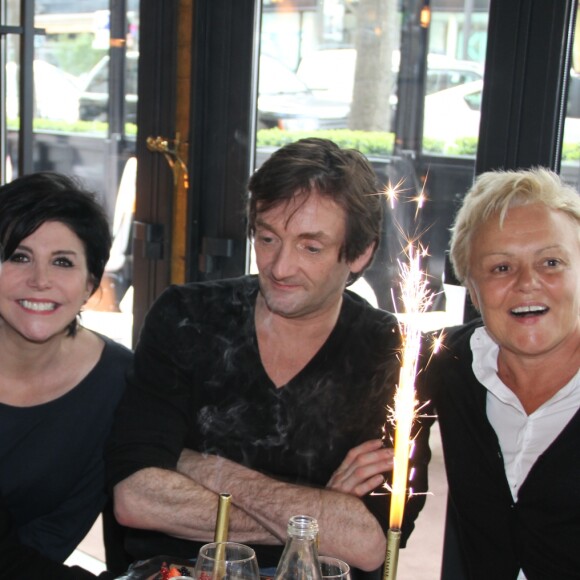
330 73
455 113
284 101
94 99
56 92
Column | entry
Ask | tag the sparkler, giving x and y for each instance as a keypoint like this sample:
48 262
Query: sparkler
223 518
416 298
221 532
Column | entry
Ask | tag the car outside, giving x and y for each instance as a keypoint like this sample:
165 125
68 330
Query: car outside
330 73
94 98
284 101
56 92
455 113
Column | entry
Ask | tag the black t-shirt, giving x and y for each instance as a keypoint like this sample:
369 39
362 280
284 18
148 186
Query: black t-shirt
198 382
20 561
52 484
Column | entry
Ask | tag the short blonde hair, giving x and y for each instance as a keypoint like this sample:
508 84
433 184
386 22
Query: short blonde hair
494 193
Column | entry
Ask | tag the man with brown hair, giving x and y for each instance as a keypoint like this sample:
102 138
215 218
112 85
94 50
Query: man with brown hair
273 387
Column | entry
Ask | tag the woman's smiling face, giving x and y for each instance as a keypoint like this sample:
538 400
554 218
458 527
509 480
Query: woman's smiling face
44 284
524 277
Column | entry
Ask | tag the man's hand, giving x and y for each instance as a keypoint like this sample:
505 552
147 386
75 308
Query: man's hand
362 469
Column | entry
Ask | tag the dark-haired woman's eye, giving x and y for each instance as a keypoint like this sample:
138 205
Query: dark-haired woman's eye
63 262
19 258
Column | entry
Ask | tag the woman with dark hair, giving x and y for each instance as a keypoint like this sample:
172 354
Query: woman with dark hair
59 382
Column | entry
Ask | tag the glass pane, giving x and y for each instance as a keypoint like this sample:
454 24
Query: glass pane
571 141
64 53
570 169
11 12
11 111
382 76
457 42
78 43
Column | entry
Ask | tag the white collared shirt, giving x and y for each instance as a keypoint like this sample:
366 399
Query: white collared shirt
522 437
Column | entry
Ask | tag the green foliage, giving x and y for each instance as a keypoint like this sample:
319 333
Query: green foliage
571 152
464 146
369 143
86 127
436 146
381 144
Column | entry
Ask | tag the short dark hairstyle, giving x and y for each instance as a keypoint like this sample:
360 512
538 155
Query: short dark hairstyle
29 201
320 166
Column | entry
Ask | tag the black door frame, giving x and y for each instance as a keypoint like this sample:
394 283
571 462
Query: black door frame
222 129
525 84
156 117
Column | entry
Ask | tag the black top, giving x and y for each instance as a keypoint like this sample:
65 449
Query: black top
52 485
20 561
540 533
198 382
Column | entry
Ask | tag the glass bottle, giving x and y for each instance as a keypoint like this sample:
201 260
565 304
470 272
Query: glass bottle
299 559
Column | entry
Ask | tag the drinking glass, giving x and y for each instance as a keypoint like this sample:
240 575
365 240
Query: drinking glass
334 569
226 561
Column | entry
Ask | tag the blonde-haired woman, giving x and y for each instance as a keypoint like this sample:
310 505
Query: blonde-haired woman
506 387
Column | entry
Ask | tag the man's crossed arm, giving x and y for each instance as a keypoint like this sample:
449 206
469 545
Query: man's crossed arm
184 503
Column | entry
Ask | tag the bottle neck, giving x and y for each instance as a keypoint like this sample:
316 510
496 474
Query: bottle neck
303 527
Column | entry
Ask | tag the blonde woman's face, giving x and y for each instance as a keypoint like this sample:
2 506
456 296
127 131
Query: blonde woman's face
525 279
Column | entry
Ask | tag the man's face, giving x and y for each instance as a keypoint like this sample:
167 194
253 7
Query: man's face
297 247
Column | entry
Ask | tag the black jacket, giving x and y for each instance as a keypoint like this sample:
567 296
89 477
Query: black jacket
540 533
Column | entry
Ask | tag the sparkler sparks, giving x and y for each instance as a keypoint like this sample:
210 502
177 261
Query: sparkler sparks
437 343
416 299
420 201
392 192
420 198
